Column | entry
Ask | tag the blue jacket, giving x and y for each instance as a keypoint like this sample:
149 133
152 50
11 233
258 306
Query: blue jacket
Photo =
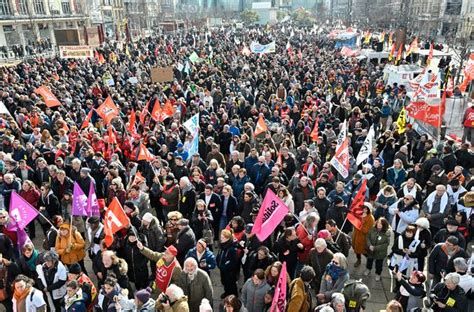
396 182
207 262
238 185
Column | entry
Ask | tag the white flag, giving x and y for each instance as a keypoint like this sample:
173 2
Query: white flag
342 134
367 147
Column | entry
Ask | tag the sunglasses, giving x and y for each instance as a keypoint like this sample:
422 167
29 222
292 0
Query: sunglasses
335 262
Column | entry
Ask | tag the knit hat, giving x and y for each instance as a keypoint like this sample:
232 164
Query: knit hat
143 295
75 268
227 234
324 234
205 306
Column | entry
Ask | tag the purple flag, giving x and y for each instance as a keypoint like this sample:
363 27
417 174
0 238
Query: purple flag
21 212
23 238
79 202
92 203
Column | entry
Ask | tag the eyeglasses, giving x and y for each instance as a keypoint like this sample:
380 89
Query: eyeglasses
3 217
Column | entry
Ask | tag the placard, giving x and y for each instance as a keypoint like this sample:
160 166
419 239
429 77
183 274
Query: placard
162 74
78 52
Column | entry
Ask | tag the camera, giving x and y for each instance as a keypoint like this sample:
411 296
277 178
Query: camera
164 298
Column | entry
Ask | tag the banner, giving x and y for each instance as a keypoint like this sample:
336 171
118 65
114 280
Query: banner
261 126
354 215
258 48
422 111
270 214
279 298
145 154
161 74
192 125
346 51
76 52
21 212
79 202
48 97
366 149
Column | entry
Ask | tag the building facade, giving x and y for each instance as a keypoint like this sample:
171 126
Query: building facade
27 22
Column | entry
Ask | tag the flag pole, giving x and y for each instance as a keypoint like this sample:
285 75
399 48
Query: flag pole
70 230
299 221
340 230
52 225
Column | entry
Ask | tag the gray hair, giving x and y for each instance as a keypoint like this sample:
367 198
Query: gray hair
185 180
190 260
460 264
338 298
453 278
249 185
341 259
320 243
174 292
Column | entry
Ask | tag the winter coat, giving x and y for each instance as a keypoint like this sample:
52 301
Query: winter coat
197 289
455 300
394 180
303 237
187 202
186 240
170 198
120 269
155 235
415 297
330 287
137 263
380 241
408 215
204 224
439 259
52 281
51 204
74 239
180 305
148 306
207 262
253 262
299 297
359 236
253 295
227 258
33 303
319 261
299 196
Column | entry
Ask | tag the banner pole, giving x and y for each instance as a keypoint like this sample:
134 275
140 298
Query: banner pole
299 221
52 225
70 231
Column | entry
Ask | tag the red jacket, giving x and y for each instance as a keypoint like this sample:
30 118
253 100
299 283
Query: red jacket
32 196
307 243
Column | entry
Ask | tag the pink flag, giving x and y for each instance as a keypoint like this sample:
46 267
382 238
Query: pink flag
23 238
79 202
21 212
279 298
271 213
92 203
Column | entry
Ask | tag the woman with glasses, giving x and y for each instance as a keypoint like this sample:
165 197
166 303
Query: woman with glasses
334 277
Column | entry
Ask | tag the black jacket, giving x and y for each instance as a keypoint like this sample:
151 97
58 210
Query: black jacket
188 202
457 298
232 208
438 259
186 241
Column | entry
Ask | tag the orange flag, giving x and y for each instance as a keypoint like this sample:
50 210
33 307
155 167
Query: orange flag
48 97
138 179
115 219
261 126
314 134
167 111
156 112
112 137
101 58
144 154
108 110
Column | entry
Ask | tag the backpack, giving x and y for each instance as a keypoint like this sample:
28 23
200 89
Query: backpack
356 294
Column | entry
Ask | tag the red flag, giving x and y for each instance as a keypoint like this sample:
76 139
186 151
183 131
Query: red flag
144 154
144 112
400 52
131 123
355 213
138 179
156 112
314 134
261 126
340 160
86 121
468 73
115 219
108 110
101 58
392 52
48 97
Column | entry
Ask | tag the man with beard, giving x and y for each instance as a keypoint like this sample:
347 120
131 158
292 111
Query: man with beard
441 258
195 283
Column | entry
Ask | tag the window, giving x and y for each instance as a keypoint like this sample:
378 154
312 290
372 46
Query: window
66 7
22 7
38 6
5 7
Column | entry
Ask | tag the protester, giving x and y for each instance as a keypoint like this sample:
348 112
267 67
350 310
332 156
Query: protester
377 243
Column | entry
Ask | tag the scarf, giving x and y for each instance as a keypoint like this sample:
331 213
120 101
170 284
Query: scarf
31 262
431 198
411 192
334 271
396 172
69 301
19 296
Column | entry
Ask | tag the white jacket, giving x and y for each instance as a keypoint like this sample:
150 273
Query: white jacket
406 218
34 301
61 274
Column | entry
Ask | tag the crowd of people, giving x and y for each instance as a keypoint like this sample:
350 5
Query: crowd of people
192 213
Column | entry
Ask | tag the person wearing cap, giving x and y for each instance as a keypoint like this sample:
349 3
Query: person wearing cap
449 296
84 282
154 233
181 152
52 276
168 268
359 235
70 245
437 177
411 291
451 229
195 283
455 190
